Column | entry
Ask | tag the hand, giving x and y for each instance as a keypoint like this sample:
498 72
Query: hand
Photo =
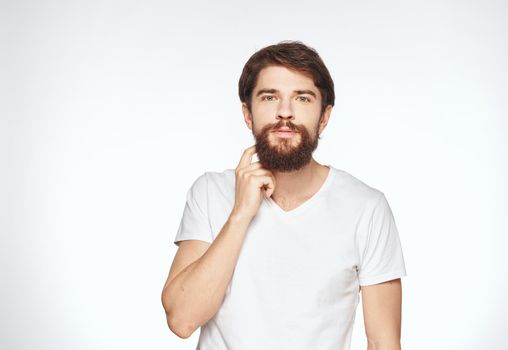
252 183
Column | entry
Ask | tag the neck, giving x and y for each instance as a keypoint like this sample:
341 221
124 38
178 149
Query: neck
297 183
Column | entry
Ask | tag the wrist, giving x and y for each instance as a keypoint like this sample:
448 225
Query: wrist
237 217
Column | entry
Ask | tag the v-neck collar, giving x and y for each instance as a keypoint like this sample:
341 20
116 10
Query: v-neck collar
328 181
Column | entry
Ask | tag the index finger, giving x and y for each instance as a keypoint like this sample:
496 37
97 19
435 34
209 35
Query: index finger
247 157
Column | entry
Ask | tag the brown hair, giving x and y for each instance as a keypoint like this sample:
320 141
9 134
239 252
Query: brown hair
292 55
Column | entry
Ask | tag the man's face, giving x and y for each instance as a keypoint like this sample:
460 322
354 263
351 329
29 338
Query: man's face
287 101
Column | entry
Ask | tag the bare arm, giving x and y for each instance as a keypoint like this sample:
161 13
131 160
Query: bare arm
197 282
195 294
382 314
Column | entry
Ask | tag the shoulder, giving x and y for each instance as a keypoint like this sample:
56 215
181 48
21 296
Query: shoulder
225 177
353 189
214 178
214 183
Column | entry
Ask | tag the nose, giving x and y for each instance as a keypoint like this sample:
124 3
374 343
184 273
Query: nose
285 110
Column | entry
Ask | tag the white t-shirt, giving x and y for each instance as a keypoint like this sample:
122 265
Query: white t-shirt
296 282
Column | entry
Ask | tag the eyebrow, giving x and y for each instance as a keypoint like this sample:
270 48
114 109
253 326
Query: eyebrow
299 92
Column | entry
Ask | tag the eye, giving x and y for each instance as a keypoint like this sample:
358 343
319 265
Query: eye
304 98
268 98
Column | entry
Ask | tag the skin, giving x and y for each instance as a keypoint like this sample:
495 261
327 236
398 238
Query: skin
381 302
201 272
381 305
270 109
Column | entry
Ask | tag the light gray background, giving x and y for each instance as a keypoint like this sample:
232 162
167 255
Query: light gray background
111 109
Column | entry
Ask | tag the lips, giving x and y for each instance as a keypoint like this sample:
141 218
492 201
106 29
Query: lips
284 130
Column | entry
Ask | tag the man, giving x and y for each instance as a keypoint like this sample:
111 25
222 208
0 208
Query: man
273 254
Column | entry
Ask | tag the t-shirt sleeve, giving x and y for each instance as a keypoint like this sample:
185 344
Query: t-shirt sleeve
195 223
381 259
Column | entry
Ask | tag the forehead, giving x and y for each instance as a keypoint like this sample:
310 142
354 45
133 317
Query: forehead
282 78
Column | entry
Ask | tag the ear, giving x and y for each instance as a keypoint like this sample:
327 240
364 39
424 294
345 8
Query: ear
247 116
324 118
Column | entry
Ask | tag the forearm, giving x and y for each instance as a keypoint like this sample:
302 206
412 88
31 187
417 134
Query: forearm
393 345
197 292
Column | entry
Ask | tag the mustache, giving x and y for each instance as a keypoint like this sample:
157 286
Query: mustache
282 124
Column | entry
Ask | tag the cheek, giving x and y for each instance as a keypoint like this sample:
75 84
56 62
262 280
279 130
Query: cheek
261 116
266 110
307 109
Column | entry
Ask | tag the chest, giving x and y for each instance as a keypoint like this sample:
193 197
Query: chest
304 262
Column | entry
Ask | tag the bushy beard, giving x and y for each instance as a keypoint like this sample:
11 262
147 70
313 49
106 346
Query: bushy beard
282 155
